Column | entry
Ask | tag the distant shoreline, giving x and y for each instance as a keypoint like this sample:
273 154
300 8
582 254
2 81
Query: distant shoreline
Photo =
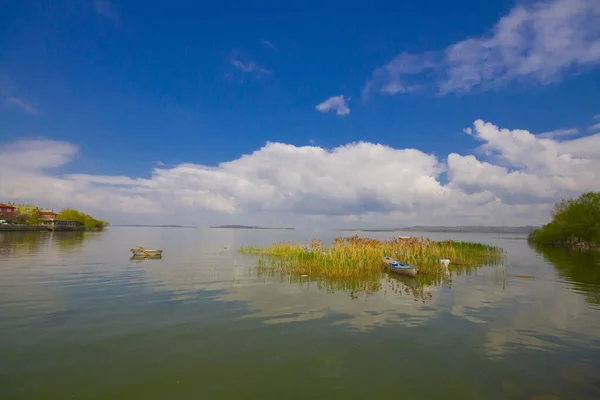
453 229
156 226
250 227
44 228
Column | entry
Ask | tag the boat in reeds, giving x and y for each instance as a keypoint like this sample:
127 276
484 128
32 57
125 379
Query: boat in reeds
400 267
140 251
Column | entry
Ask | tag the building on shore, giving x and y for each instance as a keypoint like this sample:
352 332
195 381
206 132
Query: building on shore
47 217
51 222
25 209
7 210
66 223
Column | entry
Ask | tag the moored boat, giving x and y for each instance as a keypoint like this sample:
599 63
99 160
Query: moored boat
400 267
140 251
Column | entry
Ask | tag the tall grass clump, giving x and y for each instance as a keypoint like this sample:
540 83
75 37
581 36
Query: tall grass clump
358 257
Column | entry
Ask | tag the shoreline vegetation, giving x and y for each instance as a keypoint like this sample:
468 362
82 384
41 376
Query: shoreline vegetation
464 229
33 218
249 227
359 257
45 228
575 224
85 220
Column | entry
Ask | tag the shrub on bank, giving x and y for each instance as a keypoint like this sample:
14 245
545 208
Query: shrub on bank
575 222
84 219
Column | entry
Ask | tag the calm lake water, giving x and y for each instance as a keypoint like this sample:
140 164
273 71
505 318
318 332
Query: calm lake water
79 319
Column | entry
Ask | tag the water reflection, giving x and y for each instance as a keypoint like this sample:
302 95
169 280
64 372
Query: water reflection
580 268
517 306
140 258
357 305
509 337
33 270
535 313
419 287
69 241
17 244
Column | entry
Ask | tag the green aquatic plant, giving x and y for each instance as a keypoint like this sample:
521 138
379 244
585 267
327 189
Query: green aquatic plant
357 257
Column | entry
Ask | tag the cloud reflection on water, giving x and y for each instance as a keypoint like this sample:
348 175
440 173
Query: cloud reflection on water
509 313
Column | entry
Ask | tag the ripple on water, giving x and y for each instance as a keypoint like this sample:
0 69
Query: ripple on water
85 312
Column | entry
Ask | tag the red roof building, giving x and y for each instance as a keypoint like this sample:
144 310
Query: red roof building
7 209
47 215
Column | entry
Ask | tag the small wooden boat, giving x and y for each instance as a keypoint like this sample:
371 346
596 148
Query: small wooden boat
140 251
400 267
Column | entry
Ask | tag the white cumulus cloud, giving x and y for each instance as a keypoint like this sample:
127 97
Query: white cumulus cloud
540 43
360 183
527 169
336 103
558 133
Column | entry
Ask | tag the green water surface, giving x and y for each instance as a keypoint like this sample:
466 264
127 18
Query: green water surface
80 320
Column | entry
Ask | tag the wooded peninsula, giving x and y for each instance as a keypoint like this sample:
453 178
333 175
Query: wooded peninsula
575 223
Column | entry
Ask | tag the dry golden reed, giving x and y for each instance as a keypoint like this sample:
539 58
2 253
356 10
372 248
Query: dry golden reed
361 257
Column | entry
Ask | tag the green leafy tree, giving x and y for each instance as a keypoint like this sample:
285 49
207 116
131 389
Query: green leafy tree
34 218
20 218
573 220
84 219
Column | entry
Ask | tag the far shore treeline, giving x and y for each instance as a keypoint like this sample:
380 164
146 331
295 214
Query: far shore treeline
34 216
575 223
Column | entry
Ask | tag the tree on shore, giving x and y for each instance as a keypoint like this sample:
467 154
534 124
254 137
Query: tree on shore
574 221
34 218
22 219
84 219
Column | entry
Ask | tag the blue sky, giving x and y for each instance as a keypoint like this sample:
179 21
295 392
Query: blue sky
132 85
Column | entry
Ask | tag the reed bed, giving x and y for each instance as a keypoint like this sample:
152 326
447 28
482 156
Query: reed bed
360 258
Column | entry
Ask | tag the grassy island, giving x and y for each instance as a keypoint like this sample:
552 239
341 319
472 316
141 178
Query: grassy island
357 257
575 223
